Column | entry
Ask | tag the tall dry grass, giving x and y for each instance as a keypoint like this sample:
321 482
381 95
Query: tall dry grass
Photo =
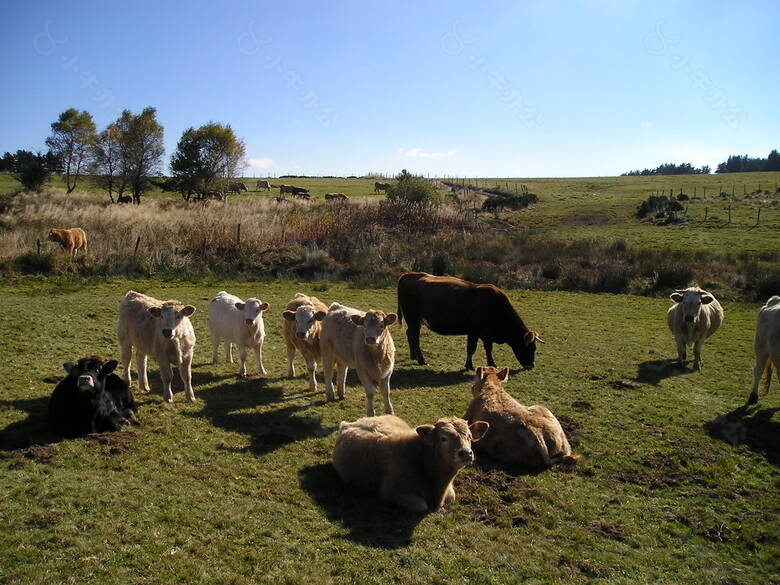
362 242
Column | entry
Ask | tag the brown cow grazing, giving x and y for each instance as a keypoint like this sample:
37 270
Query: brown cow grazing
523 435
412 467
381 187
301 330
236 187
767 346
451 306
336 197
353 339
72 240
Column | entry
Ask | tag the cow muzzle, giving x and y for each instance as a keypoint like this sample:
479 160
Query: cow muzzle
370 340
300 334
249 321
85 383
689 318
465 456
167 333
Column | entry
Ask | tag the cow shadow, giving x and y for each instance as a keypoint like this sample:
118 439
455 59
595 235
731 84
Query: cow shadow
752 426
242 407
32 430
416 377
371 521
653 371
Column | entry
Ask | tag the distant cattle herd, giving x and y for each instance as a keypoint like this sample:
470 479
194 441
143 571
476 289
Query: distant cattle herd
382 453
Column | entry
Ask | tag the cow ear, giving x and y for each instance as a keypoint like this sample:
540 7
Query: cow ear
357 319
289 315
264 306
676 296
188 310
478 430
240 306
426 432
706 299
320 315
503 375
155 311
390 319
69 366
107 368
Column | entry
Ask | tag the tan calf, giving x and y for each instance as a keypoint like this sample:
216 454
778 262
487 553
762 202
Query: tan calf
694 317
353 339
412 467
72 240
523 435
301 330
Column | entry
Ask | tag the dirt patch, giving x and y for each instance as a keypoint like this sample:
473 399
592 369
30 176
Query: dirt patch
582 405
118 442
580 220
37 453
611 530
624 384
488 497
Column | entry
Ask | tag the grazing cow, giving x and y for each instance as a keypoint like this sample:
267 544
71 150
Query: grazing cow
353 339
523 435
381 187
295 191
215 195
301 329
282 200
694 317
236 187
162 330
240 323
414 468
72 240
767 345
91 399
336 197
451 306
124 199
262 184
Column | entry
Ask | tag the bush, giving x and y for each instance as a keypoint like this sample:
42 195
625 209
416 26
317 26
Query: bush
413 189
32 170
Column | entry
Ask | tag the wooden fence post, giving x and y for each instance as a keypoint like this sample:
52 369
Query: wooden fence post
38 245
238 234
137 243
706 211
729 213
758 216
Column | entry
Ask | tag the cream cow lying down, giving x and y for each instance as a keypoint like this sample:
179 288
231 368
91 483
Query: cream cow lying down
412 467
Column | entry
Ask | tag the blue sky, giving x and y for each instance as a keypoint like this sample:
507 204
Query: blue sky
525 89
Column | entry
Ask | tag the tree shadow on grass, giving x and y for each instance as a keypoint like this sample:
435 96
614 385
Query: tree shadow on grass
239 407
752 426
652 372
370 520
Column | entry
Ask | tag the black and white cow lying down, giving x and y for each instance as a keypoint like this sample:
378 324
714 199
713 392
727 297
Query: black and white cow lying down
91 399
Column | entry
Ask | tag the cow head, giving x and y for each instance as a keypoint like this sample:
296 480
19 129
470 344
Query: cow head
374 324
171 315
451 439
525 350
305 319
253 310
691 300
486 375
54 235
90 373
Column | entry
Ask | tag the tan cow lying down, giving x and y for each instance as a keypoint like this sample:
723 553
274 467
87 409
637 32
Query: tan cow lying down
301 330
71 240
694 317
412 467
353 339
522 435
767 346
162 330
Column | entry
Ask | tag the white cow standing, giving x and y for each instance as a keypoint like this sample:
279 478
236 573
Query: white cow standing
162 330
353 339
240 323
694 317
767 346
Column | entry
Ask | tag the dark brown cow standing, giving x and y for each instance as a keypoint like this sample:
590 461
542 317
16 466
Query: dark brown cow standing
452 306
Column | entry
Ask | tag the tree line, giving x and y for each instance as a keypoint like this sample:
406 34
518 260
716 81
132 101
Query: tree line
125 156
734 164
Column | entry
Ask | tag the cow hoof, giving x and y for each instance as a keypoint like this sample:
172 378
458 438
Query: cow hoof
752 399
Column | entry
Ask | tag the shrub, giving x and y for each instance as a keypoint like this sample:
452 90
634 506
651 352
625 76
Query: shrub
672 275
413 189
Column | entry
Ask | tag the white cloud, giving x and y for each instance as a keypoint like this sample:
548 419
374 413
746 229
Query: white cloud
260 163
421 153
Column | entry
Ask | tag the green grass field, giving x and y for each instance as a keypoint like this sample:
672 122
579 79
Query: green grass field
237 488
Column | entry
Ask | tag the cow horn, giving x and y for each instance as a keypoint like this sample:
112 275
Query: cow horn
537 338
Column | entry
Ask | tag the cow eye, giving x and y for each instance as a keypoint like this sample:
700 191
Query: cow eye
443 439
